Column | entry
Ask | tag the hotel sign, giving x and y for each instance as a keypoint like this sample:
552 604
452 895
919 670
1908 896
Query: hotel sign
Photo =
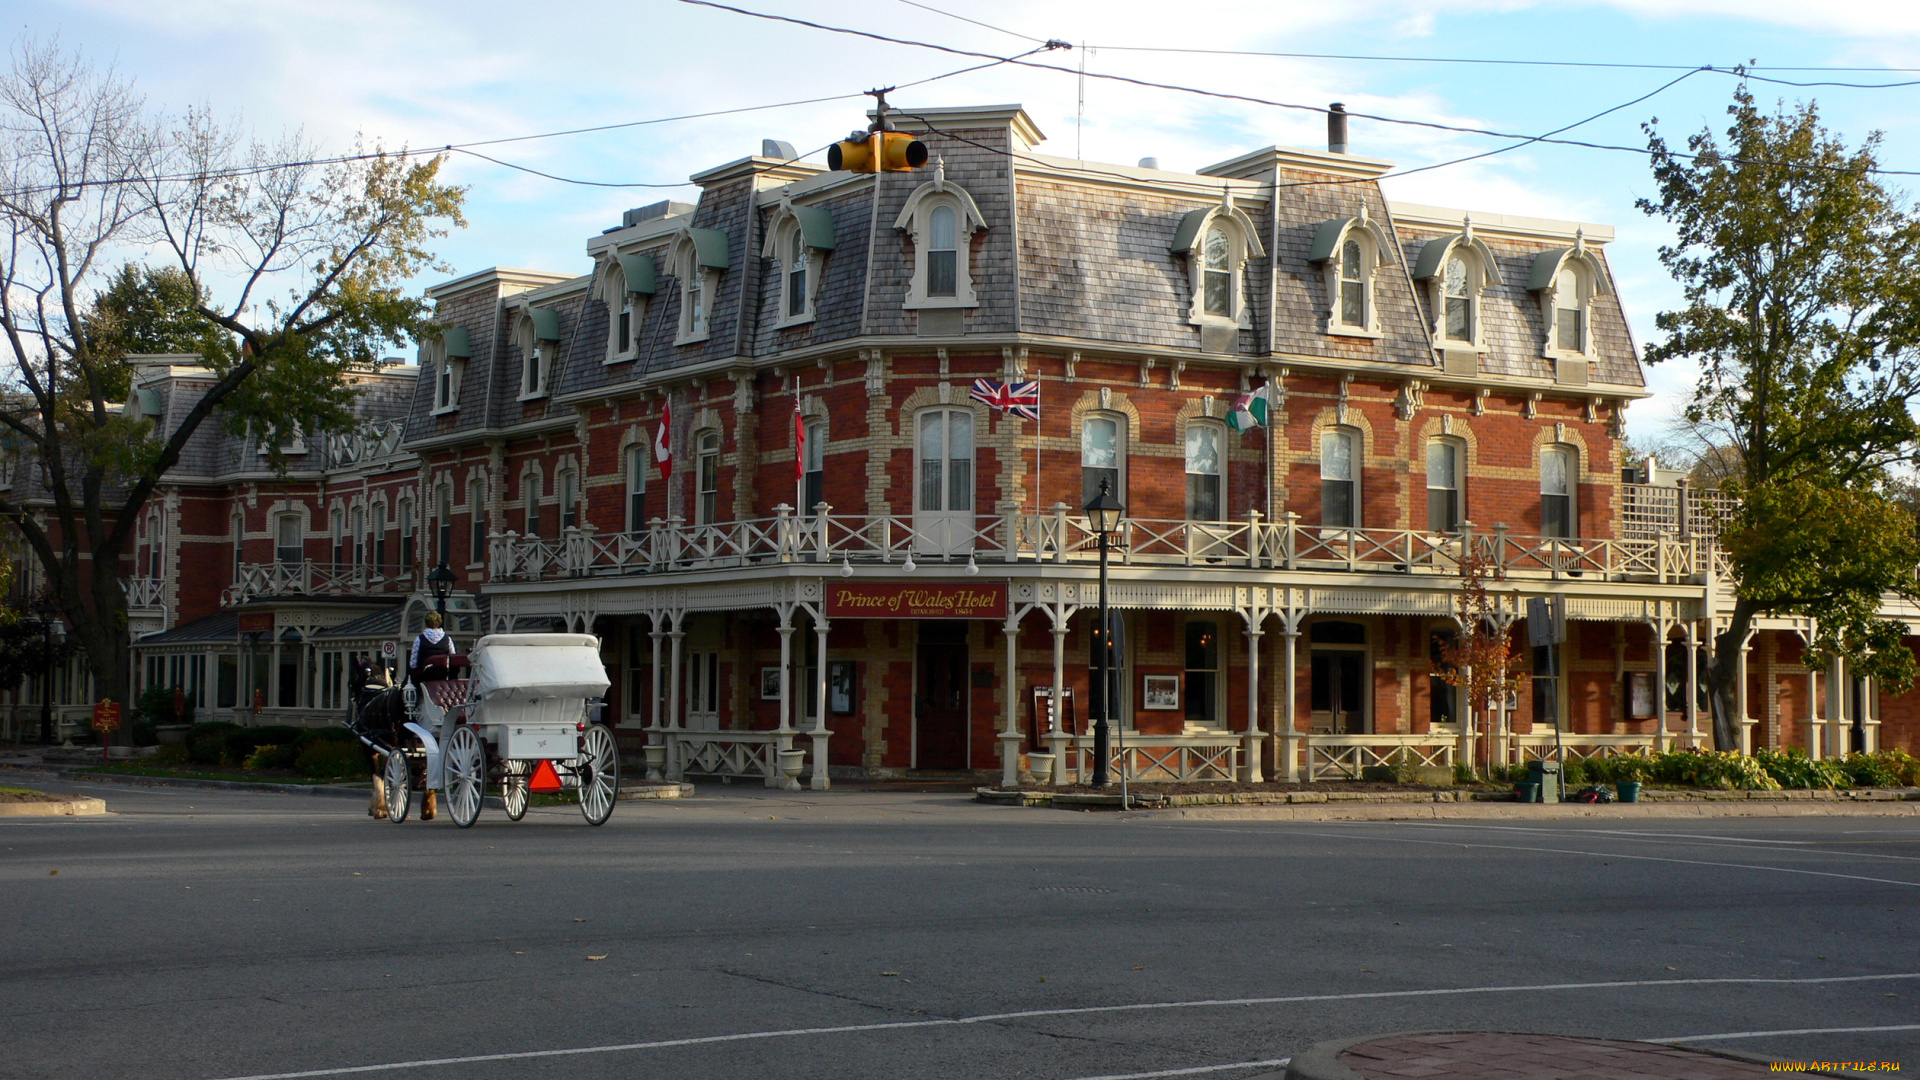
932 601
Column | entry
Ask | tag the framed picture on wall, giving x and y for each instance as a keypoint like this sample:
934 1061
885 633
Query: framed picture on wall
1161 692
840 686
1640 695
770 683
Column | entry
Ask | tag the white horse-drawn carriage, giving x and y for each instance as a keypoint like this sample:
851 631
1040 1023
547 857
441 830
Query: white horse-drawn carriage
521 718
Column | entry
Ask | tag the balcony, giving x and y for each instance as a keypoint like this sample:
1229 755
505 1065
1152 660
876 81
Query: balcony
143 592
311 578
1062 538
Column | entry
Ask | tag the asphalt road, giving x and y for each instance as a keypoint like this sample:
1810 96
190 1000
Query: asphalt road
194 935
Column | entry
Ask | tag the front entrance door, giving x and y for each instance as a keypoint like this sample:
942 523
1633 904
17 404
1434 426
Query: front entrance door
940 697
943 492
1339 692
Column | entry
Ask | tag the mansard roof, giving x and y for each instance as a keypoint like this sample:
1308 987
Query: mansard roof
1072 254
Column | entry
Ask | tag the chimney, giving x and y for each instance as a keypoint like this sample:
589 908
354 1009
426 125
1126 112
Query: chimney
1336 128
1149 162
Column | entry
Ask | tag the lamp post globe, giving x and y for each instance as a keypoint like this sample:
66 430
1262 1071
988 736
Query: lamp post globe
441 582
1103 518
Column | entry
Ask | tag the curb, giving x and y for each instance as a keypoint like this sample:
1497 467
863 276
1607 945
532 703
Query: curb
636 791
1322 1060
1528 811
76 807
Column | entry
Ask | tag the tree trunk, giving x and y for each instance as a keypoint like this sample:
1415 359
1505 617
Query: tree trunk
1722 671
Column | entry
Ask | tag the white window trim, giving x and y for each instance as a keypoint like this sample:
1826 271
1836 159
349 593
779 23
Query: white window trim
1359 471
914 221
455 370
700 456
1459 488
1573 456
1121 442
636 458
785 228
610 288
920 418
1220 432
533 351
1243 243
686 270
1593 283
1483 273
1376 252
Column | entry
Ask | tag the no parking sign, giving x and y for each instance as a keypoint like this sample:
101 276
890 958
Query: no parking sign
389 649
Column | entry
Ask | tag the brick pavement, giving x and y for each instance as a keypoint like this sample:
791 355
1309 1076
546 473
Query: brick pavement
1494 1055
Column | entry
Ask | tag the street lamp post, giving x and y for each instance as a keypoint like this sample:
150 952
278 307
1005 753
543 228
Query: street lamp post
1103 517
441 581
50 630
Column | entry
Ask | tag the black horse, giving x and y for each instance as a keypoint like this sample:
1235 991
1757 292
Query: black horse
378 710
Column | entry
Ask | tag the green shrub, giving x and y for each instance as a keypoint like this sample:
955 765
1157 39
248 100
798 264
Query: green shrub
207 743
1618 769
242 742
144 734
172 754
1882 768
305 737
1792 768
326 759
1574 773
272 757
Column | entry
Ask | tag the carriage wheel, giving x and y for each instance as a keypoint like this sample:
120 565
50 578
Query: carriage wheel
398 776
466 768
599 771
513 787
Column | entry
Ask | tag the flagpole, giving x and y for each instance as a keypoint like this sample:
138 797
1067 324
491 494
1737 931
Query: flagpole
1036 454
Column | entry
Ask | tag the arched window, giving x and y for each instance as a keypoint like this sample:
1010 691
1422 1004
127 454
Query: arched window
623 324
1444 511
380 537
639 460
797 296
157 545
1354 291
408 552
943 257
569 487
1559 479
707 465
1217 277
1206 471
813 467
530 496
239 544
1340 479
443 512
1103 454
287 542
477 514
943 498
1570 311
338 521
359 536
1457 297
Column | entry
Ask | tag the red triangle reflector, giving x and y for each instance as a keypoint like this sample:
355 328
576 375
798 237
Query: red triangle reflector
544 778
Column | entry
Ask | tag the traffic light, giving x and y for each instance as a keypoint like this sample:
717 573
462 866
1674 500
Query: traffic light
897 152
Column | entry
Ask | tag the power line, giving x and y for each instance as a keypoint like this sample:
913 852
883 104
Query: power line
1223 95
976 22
1503 62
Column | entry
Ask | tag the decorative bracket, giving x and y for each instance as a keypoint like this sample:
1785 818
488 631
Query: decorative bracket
1146 365
1532 406
1480 401
1173 377
1412 395
1073 365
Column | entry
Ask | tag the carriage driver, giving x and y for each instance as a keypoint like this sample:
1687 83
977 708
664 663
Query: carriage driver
431 642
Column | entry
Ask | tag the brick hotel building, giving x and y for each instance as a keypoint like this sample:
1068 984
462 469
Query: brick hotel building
850 555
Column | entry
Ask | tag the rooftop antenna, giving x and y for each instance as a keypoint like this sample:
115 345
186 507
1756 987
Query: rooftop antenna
1080 117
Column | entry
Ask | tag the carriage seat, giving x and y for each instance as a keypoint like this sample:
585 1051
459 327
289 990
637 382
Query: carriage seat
447 693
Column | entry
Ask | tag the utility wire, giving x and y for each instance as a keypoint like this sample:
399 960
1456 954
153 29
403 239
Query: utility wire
976 22
1621 65
242 171
1225 96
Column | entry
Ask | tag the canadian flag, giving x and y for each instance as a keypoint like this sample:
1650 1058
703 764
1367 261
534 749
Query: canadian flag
663 440
799 445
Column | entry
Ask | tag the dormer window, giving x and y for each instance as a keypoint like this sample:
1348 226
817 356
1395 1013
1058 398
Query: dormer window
799 238
1457 297
537 333
448 355
624 283
1350 252
1217 241
941 218
1569 313
1457 270
699 258
1567 280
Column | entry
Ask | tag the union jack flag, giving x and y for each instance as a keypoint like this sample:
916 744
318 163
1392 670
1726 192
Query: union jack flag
1019 398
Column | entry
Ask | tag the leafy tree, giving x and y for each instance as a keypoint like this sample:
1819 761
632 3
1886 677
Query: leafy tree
1480 660
285 274
1801 274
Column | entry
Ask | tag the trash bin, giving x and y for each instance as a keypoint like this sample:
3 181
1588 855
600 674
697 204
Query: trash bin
1629 790
1547 775
1526 792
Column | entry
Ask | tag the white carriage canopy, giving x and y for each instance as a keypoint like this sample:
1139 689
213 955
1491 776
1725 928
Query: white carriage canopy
526 666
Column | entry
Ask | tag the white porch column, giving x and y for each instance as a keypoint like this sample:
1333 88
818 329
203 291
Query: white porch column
1838 738
784 736
1659 685
1693 685
1289 726
1814 742
1010 738
820 734
656 733
1250 768
1057 737
1740 696
677 751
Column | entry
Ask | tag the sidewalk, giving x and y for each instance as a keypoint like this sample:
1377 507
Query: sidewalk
1499 1055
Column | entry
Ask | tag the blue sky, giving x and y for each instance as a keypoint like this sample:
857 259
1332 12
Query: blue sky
425 74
